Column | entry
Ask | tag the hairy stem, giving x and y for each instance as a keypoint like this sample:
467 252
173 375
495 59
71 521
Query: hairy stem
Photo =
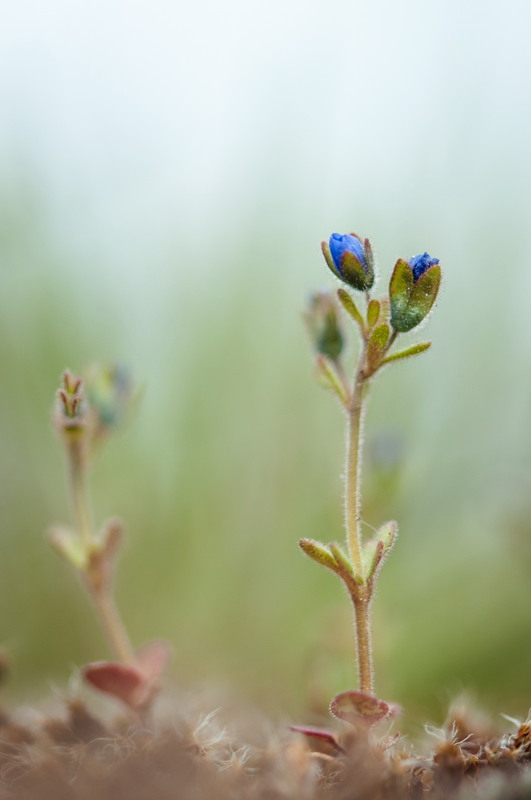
361 595
362 608
353 469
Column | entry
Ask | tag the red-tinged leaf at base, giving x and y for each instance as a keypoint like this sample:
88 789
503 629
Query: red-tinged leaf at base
356 707
153 658
322 734
123 681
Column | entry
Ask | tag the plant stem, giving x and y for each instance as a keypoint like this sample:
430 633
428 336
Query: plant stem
361 595
99 591
362 607
112 623
353 468
79 489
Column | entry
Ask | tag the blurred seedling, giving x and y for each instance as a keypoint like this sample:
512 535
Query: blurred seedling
413 288
84 417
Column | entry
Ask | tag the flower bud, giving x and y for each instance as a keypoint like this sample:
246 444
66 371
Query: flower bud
324 325
412 291
109 388
350 259
70 405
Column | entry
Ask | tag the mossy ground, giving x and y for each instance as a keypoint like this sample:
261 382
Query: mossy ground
183 755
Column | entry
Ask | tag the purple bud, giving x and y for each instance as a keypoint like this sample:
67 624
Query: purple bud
419 264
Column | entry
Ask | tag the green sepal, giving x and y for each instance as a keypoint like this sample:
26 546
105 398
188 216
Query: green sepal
329 260
369 256
354 273
68 544
351 308
377 344
373 313
318 552
410 351
328 378
376 549
412 300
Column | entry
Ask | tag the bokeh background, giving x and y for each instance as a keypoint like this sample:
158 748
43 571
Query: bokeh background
167 172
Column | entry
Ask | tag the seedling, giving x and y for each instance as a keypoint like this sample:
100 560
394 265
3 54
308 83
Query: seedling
412 291
84 419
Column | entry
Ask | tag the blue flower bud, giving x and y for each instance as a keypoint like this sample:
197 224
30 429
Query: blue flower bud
350 259
419 264
339 244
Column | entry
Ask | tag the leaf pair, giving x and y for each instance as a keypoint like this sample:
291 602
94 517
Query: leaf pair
373 554
411 299
96 559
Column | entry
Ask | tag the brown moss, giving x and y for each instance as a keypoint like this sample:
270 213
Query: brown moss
78 757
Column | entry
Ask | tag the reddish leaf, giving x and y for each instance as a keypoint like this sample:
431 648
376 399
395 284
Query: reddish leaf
322 734
355 707
125 682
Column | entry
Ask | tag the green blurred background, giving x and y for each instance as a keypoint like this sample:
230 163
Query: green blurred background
167 172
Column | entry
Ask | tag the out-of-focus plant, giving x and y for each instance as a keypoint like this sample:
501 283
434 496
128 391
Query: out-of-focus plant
413 289
85 414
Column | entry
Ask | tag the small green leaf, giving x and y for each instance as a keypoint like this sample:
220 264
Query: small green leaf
400 288
318 552
387 534
375 550
410 351
329 378
377 343
341 558
385 309
350 307
68 544
111 536
373 312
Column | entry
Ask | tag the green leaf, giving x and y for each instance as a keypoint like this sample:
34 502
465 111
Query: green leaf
376 549
341 558
318 552
68 544
412 300
350 307
400 288
329 378
377 343
410 351
425 290
373 312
